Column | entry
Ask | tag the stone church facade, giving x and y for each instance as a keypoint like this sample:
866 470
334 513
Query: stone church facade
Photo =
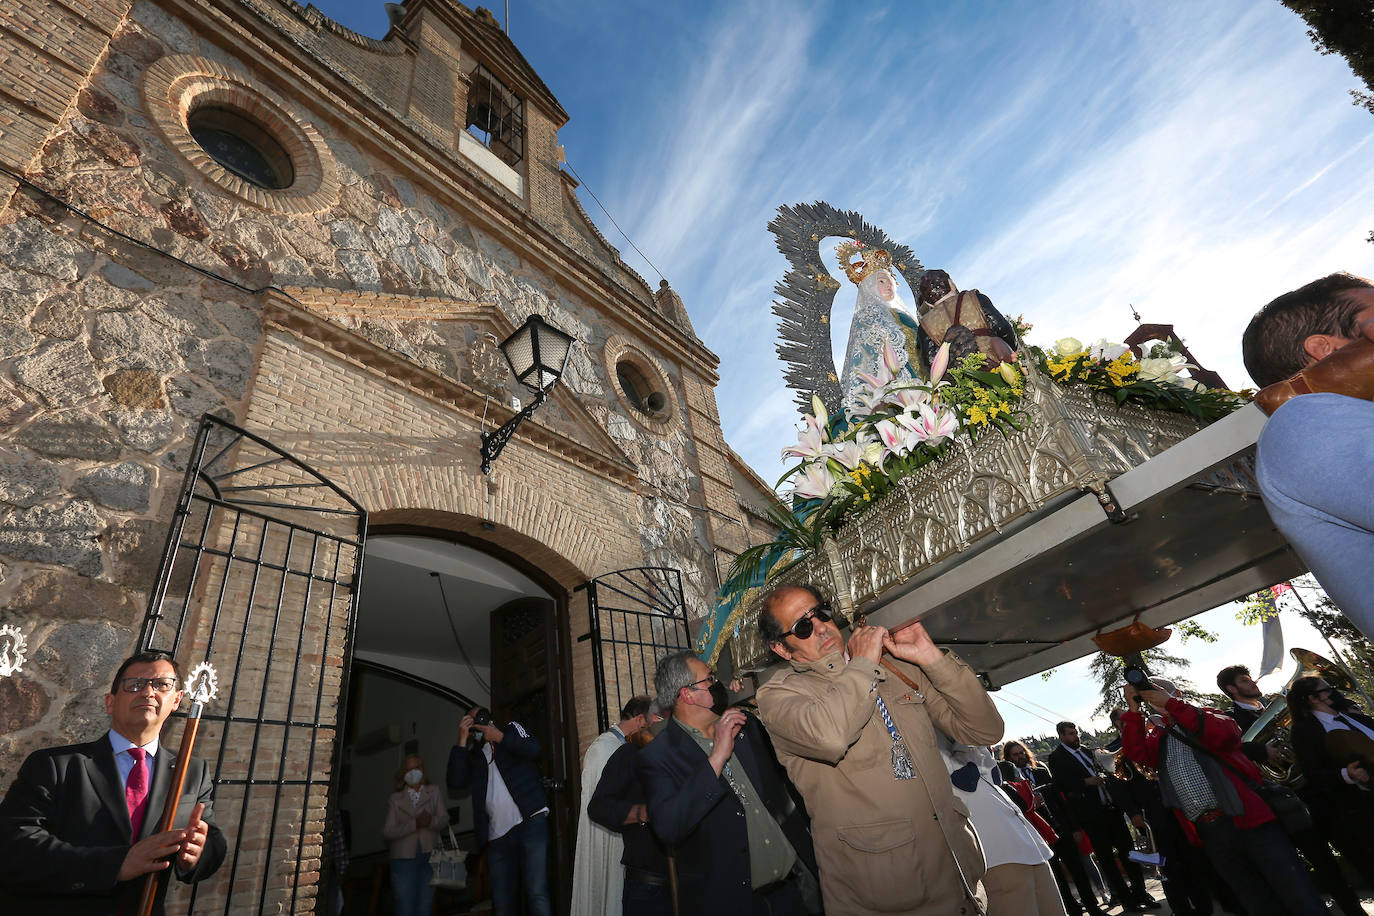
342 298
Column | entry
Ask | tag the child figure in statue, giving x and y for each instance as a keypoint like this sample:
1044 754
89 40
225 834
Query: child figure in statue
879 318
967 321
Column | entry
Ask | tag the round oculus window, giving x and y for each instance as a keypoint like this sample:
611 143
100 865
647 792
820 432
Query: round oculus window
242 146
639 391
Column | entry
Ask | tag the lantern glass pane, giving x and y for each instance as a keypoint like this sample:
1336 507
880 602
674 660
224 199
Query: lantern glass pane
519 349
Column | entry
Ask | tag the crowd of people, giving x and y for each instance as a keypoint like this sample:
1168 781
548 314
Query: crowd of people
864 780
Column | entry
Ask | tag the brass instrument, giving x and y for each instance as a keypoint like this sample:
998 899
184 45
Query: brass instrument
1273 724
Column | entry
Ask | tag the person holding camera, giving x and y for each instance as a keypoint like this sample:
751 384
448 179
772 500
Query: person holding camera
1208 781
509 809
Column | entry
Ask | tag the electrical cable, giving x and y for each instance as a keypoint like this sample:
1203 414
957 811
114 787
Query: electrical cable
448 615
613 222
1030 712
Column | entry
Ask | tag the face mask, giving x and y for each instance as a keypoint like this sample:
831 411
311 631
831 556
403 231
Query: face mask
720 700
413 777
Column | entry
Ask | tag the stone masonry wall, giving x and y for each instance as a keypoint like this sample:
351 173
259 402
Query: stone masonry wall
110 352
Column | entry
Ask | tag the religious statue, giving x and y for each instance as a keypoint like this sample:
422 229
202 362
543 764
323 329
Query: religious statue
967 321
879 318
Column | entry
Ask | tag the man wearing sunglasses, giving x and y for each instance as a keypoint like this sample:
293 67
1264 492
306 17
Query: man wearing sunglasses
78 828
859 742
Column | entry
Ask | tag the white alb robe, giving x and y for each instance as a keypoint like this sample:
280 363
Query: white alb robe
598 876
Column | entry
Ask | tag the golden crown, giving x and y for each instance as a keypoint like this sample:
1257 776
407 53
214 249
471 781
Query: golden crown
867 261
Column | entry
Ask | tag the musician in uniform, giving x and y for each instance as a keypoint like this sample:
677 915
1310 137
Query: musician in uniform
1334 745
78 828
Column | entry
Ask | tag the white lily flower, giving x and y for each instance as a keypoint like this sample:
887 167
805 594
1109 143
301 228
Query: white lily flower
810 441
1104 351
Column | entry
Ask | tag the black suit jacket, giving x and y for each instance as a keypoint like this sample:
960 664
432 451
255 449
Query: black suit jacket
1323 772
1083 802
696 813
65 830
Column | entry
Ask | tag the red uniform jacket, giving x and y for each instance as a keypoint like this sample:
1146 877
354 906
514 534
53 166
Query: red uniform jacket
1215 731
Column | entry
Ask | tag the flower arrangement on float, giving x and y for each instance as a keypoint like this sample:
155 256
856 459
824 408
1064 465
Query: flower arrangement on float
900 424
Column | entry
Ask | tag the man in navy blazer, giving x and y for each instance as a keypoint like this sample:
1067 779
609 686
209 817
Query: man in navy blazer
68 846
509 809
717 796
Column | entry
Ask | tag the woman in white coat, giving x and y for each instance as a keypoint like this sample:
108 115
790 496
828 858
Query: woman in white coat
414 816
1018 881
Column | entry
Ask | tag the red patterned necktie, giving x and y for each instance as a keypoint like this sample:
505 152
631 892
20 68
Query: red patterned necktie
136 790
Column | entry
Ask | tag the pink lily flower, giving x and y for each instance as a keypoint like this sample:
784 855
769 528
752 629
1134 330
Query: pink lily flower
939 364
892 360
908 398
848 454
938 425
810 441
892 436
816 481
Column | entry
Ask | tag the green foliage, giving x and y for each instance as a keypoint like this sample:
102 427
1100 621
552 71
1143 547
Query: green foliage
1191 629
1344 27
1258 608
1107 670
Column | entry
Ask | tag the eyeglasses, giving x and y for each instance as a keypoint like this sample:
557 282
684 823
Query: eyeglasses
140 684
803 627
708 679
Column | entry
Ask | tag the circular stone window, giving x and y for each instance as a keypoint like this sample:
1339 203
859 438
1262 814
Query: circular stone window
642 385
240 134
639 391
242 145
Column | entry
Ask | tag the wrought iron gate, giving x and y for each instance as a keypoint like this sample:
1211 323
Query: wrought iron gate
637 617
259 577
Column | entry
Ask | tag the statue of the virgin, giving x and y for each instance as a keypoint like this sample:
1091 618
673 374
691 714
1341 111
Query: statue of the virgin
879 318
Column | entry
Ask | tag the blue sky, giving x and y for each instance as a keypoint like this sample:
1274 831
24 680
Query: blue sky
1068 159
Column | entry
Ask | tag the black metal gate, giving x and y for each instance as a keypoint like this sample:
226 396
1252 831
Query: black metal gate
637 617
259 578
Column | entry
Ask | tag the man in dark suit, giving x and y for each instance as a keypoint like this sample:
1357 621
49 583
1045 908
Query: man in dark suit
1091 806
717 796
77 828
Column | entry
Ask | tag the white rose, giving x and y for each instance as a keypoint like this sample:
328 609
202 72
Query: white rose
1068 346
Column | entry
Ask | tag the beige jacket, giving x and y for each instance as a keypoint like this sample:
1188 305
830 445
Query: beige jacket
399 828
883 844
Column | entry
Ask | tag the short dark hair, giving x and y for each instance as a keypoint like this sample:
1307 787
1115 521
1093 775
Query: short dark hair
1228 676
635 706
147 656
1272 345
1063 727
770 631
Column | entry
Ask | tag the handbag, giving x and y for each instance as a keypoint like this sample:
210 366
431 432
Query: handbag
448 864
1348 371
1291 811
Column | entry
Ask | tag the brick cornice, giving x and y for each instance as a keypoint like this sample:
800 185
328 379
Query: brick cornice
440 170
304 313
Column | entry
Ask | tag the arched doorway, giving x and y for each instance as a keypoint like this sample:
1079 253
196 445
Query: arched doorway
444 622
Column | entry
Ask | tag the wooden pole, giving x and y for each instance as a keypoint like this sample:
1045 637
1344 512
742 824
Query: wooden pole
169 807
